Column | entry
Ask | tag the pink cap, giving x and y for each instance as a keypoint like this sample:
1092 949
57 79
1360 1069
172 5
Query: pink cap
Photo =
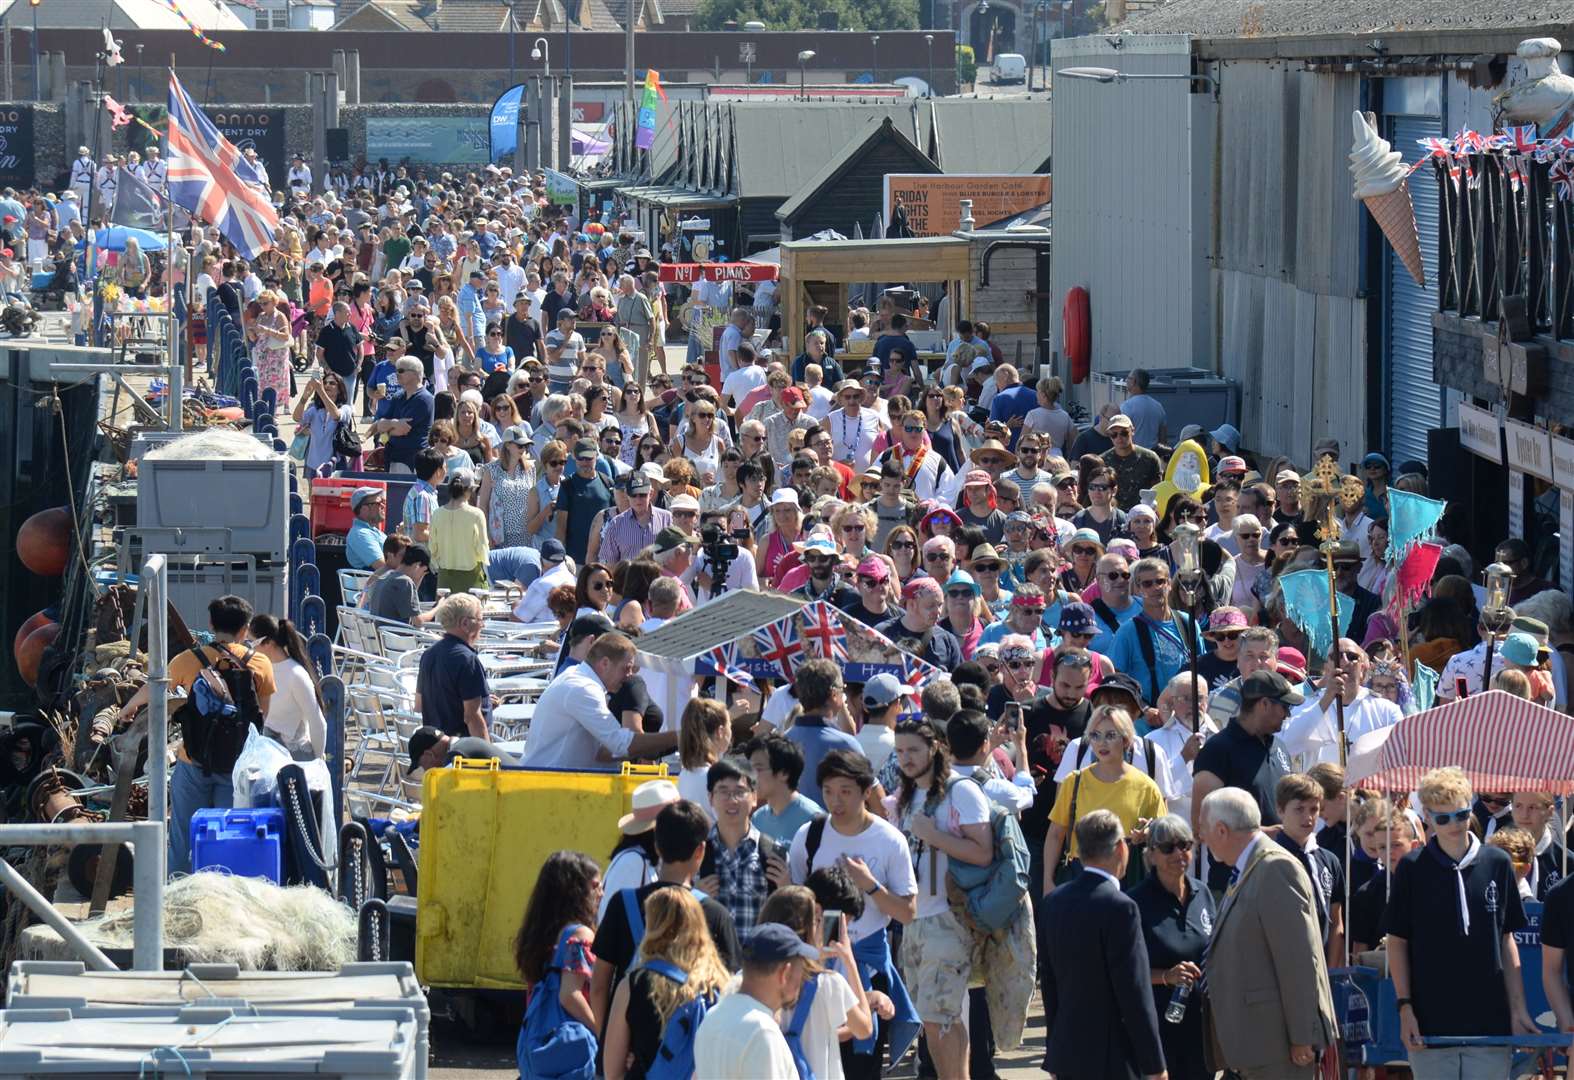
1232 464
874 567
977 476
1292 664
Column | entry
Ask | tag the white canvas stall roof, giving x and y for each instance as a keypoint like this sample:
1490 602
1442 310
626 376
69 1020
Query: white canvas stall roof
673 647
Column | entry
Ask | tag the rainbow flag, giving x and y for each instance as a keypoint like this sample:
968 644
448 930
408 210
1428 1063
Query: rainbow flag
645 123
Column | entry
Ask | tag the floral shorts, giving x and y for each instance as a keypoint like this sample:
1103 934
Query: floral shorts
936 965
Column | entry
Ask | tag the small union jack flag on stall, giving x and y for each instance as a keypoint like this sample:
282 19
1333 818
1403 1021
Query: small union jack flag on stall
724 659
823 632
779 645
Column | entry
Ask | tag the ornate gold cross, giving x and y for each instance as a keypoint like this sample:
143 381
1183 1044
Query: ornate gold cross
1341 490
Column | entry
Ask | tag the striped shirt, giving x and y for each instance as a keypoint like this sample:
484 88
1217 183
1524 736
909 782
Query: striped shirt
624 536
561 372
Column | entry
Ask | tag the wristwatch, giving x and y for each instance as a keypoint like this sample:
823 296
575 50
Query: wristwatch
877 888
1401 1003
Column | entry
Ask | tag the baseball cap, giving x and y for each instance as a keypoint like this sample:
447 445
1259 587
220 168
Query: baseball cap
874 568
784 496
361 494
883 689
1232 464
517 435
1287 476
773 943
422 739
1291 663
1119 420
1077 618
592 625
1271 685
792 394
1521 648
586 446
464 477
553 551
670 538
1120 683
637 484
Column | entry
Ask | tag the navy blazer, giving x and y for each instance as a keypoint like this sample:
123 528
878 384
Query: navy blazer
1098 1000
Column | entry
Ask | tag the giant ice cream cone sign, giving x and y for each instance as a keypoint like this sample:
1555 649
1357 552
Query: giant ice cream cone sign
1380 182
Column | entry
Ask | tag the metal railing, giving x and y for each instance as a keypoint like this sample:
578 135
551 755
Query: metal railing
146 838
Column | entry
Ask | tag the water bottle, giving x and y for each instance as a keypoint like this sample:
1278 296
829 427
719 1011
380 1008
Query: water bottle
1176 1010
1356 1030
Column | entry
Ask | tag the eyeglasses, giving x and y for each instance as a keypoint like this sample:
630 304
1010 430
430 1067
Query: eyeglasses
599 586
731 793
751 436
1118 575
1103 736
685 513
1449 817
1173 846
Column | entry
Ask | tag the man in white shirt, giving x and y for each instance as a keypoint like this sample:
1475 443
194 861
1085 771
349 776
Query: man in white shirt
1468 665
740 1038
967 733
748 376
556 569
731 338
573 726
82 172
1312 733
299 176
510 276
1181 736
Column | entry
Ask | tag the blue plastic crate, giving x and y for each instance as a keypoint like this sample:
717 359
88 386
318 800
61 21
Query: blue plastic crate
246 843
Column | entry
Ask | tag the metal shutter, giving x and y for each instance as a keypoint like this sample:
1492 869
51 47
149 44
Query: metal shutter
1413 402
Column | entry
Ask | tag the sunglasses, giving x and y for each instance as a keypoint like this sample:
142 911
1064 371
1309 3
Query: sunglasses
960 594
853 527
1083 549
1079 634
1036 612
913 430
937 556
1495 800
584 457
1066 482
1098 487
1118 575
1226 635
1153 583
600 586
1248 536
869 582
1287 540
1173 846
1449 817
986 568
1020 665
902 545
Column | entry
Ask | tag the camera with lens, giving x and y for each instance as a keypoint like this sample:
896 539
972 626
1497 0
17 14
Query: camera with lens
719 550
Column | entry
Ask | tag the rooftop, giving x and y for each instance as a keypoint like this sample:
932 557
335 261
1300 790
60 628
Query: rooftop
1311 18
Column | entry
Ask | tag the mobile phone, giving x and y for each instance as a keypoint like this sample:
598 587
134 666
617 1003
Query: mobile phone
830 927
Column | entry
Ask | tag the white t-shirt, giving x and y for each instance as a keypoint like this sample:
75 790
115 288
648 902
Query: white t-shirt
293 711
878 743
833 1000
777 708
964 804
742 382
820 402
691 786
882 848
740 1037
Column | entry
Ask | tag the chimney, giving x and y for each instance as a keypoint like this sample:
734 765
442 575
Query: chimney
966 224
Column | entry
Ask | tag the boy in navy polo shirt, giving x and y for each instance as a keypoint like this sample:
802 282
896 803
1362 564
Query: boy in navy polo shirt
1450 922
1299 800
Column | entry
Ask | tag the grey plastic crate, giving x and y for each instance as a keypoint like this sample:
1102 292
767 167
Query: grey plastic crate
143 441
250 498
356 992
1189 396
195 582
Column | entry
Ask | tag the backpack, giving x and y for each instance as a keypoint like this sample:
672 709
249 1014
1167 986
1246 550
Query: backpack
993 893
799 1021
675 1057
552 1045
636 917
221 707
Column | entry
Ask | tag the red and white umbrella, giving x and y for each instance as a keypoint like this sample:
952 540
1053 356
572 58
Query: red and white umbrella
1503 743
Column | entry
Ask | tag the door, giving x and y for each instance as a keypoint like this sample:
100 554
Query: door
1413 402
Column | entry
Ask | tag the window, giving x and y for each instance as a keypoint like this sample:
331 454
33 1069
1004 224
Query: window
273 18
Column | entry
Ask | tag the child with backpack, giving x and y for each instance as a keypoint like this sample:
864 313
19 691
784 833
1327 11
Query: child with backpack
552 952
657 1010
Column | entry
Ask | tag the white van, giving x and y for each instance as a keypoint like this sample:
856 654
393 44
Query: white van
1009 68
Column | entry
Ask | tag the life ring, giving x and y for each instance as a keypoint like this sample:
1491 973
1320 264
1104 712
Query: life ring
1077 333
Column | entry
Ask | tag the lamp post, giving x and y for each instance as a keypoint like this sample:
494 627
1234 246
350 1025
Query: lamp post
37 82
803 63
874 44
1110 75
512 68
139 71
929 43
1188 578
541 50
1496 615
568 36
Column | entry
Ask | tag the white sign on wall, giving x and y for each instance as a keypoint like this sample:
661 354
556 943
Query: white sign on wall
1529 448
1480 433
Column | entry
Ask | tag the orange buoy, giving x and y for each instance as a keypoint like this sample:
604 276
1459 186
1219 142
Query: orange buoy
33 622
32 653
44 542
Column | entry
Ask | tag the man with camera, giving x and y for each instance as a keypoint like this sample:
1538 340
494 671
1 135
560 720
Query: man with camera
725 562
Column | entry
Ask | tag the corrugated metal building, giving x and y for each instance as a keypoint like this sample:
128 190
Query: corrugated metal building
1222 210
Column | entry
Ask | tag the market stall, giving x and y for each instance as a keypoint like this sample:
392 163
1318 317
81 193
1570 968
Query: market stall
809 266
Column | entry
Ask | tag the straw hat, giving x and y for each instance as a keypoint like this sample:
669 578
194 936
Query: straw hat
649 799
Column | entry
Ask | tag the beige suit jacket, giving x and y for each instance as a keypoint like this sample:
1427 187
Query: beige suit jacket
1267 981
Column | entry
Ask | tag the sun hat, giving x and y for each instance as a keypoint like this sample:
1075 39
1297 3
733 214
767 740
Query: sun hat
649 800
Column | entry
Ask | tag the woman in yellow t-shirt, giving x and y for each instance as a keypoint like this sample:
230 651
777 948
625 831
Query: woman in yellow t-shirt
1108 784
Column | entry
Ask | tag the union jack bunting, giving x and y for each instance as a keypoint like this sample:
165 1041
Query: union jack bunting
823 632
208 176
722 658
780 645
1562 176
1522 139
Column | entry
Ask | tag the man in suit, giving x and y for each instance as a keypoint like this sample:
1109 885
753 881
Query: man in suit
1098 1003
1268 1009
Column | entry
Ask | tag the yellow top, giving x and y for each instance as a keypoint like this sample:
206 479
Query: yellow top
1130 798
459 540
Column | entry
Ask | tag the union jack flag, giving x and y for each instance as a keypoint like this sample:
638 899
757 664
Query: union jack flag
1562 176
822 629
779 644
208 176
1522 138
722 658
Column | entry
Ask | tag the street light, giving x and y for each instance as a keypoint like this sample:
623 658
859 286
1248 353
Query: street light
512 69
139 71
803 62
541 49
929 43
874 42
1496 615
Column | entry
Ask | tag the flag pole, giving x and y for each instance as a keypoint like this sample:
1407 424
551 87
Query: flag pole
177 370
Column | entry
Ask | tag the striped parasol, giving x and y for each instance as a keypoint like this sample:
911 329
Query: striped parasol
1503 742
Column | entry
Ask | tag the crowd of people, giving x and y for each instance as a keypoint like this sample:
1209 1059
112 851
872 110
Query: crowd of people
1156 803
